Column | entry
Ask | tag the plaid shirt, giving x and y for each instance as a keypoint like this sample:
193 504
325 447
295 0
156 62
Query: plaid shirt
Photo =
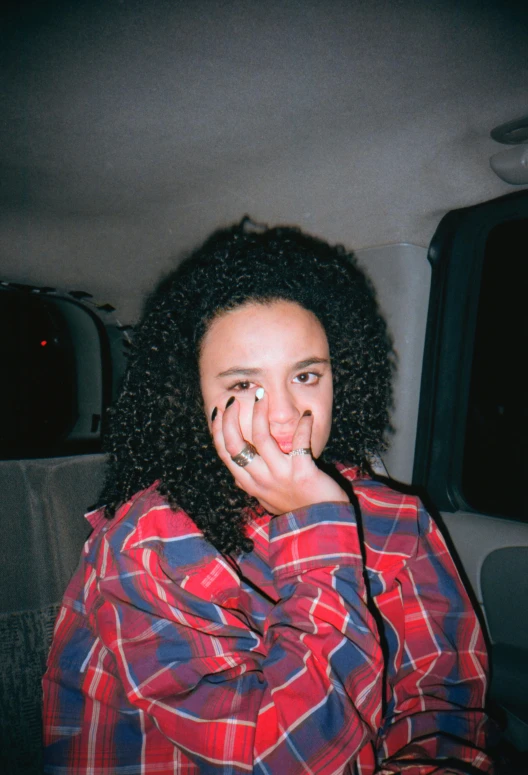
329 649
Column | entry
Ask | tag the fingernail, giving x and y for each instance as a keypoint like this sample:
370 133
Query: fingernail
307 413
259 393
215 412
230 402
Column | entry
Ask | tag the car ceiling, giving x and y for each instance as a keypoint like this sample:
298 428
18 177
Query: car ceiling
129 130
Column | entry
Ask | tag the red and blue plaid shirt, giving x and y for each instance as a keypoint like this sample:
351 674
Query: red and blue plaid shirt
328 649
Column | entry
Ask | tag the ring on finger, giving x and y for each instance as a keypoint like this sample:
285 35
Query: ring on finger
245 456
300 451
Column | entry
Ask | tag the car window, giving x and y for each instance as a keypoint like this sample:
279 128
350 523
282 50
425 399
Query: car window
497 407
471 451
60 371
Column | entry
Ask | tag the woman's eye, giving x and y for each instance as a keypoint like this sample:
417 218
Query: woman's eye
308 378
245 385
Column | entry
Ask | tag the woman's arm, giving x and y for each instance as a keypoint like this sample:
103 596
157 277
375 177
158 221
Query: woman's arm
304 697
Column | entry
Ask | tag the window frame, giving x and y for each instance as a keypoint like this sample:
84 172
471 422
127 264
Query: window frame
112 340
456 255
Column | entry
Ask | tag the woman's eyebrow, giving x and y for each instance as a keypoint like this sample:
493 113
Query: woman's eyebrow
245 370
248 371
309 362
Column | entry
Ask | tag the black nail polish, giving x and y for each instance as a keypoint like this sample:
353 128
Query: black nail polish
215 412
307 413
230 402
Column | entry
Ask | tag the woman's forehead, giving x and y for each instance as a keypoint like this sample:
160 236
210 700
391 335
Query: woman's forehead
255 332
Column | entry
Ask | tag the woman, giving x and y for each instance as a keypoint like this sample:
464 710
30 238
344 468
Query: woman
250 599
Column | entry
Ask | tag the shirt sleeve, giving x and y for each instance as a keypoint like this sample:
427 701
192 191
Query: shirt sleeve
303 696
435 720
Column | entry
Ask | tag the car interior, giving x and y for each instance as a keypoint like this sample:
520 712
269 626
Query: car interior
130 131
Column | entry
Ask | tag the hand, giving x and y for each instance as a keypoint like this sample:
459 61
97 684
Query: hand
279 482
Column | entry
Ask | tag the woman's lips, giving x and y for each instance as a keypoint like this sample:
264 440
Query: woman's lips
285 445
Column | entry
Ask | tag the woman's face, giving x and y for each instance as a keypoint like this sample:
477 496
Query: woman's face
280 347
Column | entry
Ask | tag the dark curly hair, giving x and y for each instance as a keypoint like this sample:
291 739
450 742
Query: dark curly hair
158 428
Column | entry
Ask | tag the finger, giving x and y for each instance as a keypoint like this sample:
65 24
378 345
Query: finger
233 438
260 432
303 435
241 474
218 426
218 435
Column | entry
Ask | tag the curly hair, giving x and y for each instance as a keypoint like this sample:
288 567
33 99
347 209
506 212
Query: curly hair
158 429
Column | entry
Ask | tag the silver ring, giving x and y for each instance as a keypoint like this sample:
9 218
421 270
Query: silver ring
300 451
245 456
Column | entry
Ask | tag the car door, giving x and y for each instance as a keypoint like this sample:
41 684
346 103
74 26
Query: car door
471 431
457 316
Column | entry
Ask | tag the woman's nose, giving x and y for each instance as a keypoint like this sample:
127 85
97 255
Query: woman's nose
282 407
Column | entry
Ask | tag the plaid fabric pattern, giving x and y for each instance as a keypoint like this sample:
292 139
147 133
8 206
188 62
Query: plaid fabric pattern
331 648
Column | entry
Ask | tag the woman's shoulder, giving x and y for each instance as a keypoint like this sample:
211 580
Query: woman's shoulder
386 499
381 495
390 514
151 545
148 521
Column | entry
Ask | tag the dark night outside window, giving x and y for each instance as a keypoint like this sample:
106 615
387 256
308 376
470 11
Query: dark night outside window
494 470
39 377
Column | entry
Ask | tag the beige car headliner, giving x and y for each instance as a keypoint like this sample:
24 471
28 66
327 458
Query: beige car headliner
129 130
